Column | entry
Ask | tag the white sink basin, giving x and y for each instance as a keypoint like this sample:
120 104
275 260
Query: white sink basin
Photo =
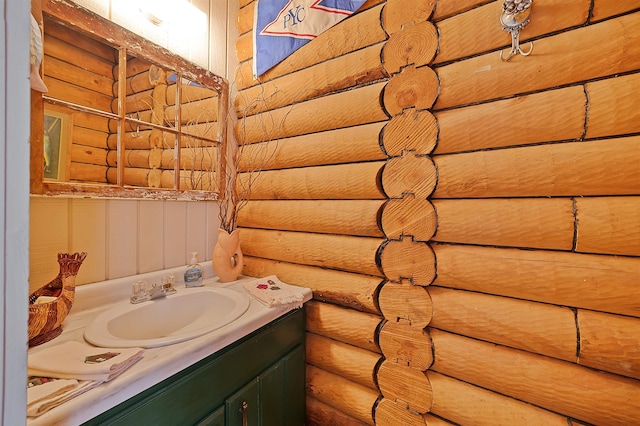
189 313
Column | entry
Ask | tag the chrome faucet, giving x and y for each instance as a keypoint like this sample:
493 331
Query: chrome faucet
156 292
142 291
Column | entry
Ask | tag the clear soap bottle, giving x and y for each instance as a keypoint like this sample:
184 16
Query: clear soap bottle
193 273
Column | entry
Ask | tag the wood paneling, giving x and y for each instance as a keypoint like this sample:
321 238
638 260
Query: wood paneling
557 62
535 327
356 68
319 414
48 235
122 249
547 17
610 342
150 240
601 283
345 395
467 404
505 227
328 320
516 222
608 225
603 167
353 363
553 115
344 109
347 217
346 253
559 386
89 233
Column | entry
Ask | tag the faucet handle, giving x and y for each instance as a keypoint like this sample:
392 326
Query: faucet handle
167 283
139 291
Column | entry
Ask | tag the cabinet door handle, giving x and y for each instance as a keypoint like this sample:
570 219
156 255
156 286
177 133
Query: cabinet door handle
243 410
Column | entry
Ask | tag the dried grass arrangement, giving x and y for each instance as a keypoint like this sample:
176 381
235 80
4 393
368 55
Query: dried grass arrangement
245 160
45 319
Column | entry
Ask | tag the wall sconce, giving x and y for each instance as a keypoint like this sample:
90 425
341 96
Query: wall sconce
156 12
514 17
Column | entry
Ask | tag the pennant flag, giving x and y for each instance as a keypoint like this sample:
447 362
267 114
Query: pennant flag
283 26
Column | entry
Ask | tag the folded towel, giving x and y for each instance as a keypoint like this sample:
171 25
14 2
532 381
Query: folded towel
76 360
44 393
272 292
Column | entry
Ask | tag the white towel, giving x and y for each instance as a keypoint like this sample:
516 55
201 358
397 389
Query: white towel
76 360
62 372
43 393
272 292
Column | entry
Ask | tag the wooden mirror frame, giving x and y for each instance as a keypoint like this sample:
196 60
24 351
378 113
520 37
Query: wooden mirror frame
84 21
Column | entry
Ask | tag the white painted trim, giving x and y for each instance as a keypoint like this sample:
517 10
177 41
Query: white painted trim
14 200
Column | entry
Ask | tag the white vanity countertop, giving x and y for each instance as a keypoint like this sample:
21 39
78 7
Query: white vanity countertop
157 363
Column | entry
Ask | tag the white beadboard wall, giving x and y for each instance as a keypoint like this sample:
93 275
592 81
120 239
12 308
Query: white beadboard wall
121 237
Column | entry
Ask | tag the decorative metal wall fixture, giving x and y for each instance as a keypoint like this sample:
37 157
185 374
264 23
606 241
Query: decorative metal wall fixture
515 16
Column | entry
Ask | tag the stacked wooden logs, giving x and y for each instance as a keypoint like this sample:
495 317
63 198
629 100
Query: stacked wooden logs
312 214
482 266
408 218
146 87
152 97
83 71
78 70
197 115
535 315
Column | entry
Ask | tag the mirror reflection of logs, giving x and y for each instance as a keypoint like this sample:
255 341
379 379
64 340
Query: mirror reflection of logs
160 126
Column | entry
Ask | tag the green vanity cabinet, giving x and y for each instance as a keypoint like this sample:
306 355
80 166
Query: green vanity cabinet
216 418
260 402
259 380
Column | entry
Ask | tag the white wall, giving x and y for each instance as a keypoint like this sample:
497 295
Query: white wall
14 203
121 237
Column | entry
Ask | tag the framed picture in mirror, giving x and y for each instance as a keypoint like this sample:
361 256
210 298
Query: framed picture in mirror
57 138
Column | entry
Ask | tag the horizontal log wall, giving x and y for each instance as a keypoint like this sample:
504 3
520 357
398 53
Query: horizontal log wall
83 71
559 386
454 213
534 306
313 211
464 403
79 70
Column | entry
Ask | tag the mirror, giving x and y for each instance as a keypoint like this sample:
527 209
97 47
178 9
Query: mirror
123 117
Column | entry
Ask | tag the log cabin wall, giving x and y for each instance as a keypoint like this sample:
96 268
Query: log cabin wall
198 117
470 227
312 217
83 71
146 89
79 70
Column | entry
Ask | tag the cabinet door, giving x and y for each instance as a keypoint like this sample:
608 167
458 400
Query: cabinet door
214 419
243 407
272 395
294 386
282 391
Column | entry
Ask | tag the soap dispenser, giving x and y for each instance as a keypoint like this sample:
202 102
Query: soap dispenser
193 273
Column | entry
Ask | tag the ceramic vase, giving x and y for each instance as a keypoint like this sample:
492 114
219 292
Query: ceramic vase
227 257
